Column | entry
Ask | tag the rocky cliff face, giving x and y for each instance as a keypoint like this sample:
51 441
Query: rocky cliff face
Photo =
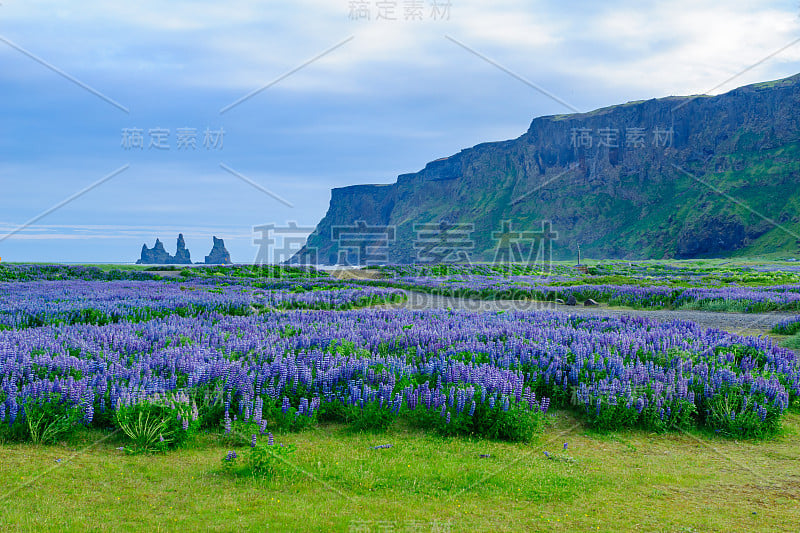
673 177
218 254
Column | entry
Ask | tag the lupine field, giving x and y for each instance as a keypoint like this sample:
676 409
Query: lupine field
282 353
259 355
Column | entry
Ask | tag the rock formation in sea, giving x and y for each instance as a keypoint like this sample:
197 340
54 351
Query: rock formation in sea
218 254
156 255
182 255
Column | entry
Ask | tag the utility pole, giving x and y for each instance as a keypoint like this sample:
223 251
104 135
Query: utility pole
579 255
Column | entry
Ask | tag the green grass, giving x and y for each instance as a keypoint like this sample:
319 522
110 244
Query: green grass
623 481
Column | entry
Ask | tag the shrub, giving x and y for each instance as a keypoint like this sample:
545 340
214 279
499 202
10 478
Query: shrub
229 462
608 414
210 401
264 460
158 424
286 417
49 419
505 419
734 414
611 416
372 416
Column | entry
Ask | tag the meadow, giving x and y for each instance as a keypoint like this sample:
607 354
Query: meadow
252 398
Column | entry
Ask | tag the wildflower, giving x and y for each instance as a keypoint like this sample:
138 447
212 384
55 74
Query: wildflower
253 441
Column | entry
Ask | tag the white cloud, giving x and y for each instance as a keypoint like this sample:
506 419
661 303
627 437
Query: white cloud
660 47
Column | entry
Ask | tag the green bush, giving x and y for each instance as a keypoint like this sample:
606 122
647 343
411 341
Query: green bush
291 420
49 419
264 459
734 414
158 424
210 401
371 417
612 416
516 424
334 411
671 415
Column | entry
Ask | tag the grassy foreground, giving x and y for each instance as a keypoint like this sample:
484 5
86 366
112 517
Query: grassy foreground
624 481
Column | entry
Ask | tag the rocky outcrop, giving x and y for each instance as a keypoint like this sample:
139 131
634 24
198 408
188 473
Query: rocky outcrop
159 256
155 256
672 177
182 255
218 254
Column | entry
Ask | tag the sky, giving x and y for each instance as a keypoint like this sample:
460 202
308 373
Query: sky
123 122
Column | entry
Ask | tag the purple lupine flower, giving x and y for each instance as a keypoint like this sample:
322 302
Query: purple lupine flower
253 441
545 405
270 439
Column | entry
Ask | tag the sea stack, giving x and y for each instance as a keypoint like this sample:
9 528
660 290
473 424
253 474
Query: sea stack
182 255
155 256
218 255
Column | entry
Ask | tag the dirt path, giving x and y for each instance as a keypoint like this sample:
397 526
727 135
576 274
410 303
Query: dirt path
739 323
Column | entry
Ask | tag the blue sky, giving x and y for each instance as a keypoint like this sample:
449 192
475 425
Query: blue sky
396 95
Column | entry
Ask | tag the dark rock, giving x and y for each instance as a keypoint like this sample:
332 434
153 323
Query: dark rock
711 235
571 300
218 254
155 256
182 255
590 303
159 256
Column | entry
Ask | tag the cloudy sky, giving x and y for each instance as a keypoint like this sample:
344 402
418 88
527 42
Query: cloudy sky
127 121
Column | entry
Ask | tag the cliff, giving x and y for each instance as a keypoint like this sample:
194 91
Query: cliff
675 177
